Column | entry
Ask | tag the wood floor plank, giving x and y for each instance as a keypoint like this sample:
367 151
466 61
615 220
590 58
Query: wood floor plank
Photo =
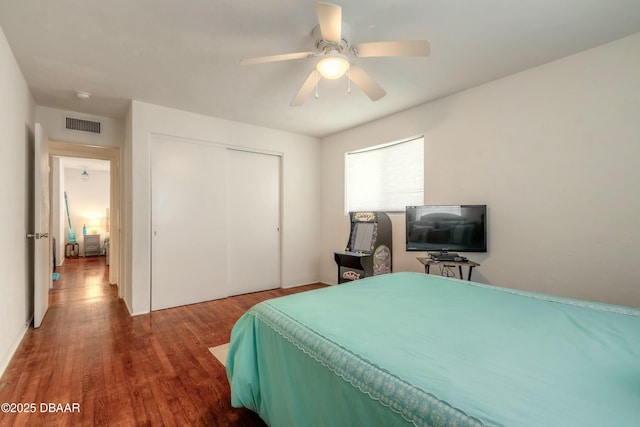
152 369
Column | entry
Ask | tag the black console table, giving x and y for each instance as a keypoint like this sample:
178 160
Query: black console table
428 262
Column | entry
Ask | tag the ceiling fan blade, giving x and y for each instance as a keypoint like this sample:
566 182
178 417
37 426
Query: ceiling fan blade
399 48
275 58
330 20
366 83
306 89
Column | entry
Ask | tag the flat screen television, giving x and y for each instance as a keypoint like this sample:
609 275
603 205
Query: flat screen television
439 228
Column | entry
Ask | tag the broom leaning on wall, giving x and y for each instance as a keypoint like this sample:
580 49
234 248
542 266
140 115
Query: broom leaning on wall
72 247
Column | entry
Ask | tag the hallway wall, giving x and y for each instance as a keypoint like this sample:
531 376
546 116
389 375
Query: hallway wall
17 112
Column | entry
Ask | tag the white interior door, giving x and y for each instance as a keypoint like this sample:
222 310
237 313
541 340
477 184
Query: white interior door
188 231
42 267
254 222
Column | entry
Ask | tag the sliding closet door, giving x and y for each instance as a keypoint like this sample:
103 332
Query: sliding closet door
188 231
254 221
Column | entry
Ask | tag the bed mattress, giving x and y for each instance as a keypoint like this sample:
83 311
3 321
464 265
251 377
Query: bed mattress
414 349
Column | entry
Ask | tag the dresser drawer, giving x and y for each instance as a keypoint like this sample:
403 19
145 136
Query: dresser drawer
91 244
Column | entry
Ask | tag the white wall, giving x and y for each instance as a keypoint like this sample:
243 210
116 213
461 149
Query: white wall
58 212
300 192
17 111
553 151
126 208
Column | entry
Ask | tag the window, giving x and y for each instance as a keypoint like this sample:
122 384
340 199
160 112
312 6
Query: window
386 178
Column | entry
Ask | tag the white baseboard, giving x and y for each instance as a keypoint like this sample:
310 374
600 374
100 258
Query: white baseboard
131 313
305 284
6 358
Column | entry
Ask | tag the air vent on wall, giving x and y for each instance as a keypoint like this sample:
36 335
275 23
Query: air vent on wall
82 125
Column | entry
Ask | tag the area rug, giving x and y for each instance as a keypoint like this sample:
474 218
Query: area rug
220 352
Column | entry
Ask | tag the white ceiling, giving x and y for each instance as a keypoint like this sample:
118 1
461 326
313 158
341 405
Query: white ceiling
185 54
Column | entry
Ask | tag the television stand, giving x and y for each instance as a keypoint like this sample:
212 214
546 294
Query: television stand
428 262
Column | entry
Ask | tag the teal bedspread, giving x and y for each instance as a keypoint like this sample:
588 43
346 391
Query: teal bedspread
412 349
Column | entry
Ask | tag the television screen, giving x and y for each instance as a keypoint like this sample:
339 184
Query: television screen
460 228
362 238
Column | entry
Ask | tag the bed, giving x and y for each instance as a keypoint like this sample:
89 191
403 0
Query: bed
412 349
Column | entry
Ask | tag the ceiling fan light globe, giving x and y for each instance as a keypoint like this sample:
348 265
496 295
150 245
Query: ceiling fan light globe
332 67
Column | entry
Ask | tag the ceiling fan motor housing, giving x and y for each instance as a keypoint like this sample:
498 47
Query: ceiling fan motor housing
324 46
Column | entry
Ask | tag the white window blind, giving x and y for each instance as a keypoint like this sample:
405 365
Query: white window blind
386 178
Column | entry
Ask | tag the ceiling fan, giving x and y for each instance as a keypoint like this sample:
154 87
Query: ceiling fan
335 53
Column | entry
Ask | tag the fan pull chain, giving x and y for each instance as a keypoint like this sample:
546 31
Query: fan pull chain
317 80
349 80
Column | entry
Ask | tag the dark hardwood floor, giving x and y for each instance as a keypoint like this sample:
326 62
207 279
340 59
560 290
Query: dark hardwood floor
118 370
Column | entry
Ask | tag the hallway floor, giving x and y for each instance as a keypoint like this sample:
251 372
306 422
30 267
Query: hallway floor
97 365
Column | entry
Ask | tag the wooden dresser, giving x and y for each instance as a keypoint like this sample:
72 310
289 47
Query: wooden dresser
91 244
